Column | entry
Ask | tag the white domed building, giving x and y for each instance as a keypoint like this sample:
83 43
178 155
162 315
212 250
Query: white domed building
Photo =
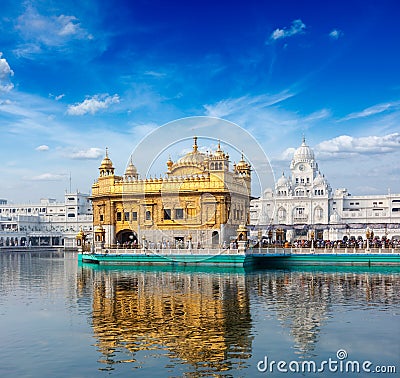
303 204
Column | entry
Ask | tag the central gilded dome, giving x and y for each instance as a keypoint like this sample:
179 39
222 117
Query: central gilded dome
193 157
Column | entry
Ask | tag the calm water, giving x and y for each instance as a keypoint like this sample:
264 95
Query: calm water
59 319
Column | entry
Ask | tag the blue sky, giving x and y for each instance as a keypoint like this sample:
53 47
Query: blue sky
77 76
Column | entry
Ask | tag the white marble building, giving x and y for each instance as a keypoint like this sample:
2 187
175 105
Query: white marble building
303 203
47 222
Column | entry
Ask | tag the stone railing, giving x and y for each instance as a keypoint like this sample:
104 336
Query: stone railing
172 251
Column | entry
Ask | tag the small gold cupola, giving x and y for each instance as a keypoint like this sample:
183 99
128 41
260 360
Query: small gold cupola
170 163
242 166
131 171
106 168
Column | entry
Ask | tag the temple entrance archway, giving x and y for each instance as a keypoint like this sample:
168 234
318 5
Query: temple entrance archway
127 237
215 238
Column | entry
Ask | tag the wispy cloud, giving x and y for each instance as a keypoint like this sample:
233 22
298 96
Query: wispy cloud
348 145
297 27
46 177
336 34
231 106
155 74
41 32
317 115
264 114
43 147
5 75
143 129
93 104
90 153
57 97
372 110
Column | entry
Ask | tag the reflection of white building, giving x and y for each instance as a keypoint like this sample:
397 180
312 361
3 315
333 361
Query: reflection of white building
304 202
45 223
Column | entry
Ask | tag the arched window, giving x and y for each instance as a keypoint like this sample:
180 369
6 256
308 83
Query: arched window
281 213
318 213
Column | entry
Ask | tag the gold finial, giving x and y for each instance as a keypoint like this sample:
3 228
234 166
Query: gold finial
169 163
195 144
106 151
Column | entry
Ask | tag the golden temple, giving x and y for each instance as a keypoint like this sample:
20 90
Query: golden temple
200 201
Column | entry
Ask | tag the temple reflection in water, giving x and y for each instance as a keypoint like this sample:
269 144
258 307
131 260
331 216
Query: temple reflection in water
206 319
201 319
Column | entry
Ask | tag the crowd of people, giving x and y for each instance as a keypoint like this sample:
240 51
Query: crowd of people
326 244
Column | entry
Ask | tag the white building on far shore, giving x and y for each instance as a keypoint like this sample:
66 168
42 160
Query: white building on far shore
303 204
47 222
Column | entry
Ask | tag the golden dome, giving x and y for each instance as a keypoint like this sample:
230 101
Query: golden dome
219 153
99 228
106 163
193 157
131 170
242 164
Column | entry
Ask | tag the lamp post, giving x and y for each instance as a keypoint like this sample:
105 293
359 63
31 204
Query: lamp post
312 235
367 235
270 236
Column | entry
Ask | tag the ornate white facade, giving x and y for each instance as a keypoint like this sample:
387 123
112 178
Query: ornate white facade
303 203
47 222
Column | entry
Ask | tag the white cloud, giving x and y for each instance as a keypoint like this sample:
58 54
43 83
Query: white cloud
40 32
46 177
68 25
231 106
318 115
93 104
297 27
287 154
349 146
57 97
5 74
43 147
155 74
335 34
90 153
372 110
